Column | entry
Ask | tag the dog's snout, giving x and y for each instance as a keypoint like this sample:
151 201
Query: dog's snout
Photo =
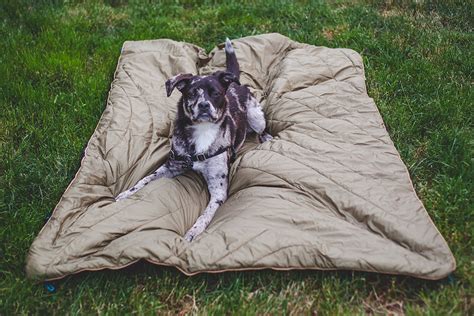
203 105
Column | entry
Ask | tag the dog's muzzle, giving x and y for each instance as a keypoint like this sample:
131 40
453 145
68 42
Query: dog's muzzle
205 112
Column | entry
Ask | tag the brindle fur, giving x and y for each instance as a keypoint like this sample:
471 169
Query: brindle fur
225 111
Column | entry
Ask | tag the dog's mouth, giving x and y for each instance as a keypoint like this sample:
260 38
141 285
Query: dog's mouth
204 117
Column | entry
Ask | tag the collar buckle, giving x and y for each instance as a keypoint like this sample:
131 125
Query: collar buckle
201 157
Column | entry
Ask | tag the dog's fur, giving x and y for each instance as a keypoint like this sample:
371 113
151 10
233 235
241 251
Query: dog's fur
215 113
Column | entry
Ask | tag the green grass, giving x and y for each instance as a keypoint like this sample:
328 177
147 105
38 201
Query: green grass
56 64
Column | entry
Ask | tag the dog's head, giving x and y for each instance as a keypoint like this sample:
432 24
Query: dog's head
203 96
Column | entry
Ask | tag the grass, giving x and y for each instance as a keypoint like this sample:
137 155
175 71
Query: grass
56 64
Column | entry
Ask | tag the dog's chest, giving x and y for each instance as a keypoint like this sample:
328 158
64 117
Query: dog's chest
204 135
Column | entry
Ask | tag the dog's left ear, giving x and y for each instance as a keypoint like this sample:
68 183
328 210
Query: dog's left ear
179 81
226 78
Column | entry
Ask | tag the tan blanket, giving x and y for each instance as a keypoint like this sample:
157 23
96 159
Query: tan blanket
328 192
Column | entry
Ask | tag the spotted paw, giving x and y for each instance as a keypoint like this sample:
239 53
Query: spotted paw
189 237
192 233
122 196
264 137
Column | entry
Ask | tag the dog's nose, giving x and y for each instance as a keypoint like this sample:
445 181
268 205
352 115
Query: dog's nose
203 105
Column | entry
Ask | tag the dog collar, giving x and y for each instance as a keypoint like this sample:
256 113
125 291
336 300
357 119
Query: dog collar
198 157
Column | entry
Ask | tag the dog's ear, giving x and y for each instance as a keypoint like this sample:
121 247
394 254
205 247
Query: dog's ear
179 81
226 78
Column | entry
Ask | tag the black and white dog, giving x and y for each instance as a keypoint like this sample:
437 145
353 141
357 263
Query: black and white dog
215 113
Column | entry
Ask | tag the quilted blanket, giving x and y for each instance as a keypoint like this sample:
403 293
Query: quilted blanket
328 192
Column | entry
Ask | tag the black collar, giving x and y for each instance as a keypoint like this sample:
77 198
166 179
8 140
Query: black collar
199 157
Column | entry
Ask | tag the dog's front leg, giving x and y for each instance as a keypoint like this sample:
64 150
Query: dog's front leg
217 182
168 170
217 198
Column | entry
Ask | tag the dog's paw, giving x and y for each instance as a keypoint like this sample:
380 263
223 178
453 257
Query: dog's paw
122 196
192 233
264 137
188 237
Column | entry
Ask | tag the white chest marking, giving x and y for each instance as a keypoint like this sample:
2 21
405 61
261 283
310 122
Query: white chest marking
204 135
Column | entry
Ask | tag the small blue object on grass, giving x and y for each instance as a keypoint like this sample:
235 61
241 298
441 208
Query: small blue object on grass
451 279
47 217
49 287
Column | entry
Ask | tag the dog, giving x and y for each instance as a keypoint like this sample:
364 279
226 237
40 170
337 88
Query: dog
215 114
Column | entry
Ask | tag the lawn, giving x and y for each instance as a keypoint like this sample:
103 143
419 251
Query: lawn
57 62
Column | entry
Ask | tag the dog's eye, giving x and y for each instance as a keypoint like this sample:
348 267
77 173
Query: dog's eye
215 93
